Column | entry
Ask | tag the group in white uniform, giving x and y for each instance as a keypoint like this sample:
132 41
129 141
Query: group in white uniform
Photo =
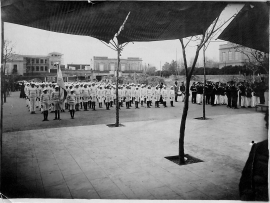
48 97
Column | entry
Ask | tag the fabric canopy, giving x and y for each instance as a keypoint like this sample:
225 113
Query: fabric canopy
250 27
148 21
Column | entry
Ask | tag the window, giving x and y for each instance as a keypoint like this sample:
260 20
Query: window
230 56
37 60
33 68
112 67
237 55
45 60
122 67
15 70
41 60
41 68
33 60
101 67
224 56
46 68
28 60
37 68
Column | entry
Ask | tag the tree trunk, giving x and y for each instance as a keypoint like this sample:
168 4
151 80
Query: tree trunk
117 100
185 109
204 83
183 124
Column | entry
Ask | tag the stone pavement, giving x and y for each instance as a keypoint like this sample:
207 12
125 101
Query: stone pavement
98 162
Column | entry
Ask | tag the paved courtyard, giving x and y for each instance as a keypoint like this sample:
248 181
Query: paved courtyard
98 162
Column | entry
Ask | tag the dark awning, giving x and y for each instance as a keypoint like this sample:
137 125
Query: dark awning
148 21
250 27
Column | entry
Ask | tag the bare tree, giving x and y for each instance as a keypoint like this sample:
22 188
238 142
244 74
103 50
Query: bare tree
203 42
254 59
114 45
8 55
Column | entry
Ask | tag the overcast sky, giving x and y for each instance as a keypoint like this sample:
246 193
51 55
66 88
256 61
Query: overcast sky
81 49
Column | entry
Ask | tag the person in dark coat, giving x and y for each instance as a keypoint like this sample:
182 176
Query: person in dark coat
229 96
193 90
176 88
208 91
22 94
253 185
213 93
262 88
234 94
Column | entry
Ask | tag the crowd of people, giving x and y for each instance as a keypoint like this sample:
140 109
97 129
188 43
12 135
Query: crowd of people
47 97
50 97
243 94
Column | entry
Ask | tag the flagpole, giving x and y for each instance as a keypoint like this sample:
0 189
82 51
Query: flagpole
59 89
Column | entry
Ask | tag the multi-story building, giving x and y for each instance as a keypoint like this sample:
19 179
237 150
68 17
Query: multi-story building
106 66
233 55
33 64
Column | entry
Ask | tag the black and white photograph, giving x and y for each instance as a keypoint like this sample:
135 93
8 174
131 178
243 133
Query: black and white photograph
134 100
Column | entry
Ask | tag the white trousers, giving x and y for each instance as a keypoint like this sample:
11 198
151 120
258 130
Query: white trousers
32 104
217 99
199 98
248 101
243 101
255 101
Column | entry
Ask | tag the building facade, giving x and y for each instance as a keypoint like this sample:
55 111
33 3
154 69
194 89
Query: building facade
33 64
107 66
232 55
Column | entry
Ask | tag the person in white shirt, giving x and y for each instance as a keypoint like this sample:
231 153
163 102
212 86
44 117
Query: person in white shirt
165 96
127 95
71 98
157 96
148 96
77 93
93 96
137 97
172 95
85 95
45 99
32 92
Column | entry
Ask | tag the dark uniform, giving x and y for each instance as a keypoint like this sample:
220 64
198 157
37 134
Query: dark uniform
193 89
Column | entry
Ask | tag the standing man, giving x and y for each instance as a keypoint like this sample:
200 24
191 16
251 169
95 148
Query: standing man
45 101
56 101
182 89
85 96
32 92
242 93
229 95
172 95
164 93
175 91
157 96
234 94
193 92
71 101
137 97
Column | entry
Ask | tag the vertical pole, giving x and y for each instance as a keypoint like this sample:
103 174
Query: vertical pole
160 68
117 73
1 121
204 82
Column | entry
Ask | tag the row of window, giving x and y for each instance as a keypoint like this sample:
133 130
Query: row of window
36 61
231 56
123 67
37 68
